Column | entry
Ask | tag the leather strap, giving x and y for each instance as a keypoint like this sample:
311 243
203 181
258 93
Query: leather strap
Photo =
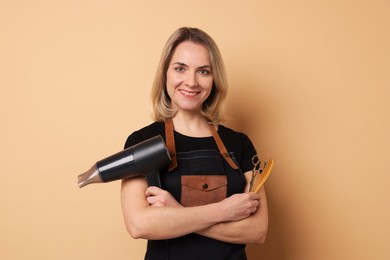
170 141
222 148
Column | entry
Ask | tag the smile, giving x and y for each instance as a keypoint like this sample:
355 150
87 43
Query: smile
187 93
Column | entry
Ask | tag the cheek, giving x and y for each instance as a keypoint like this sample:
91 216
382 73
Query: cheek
208 84
173 80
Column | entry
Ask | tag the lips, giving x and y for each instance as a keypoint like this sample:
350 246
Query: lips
189 93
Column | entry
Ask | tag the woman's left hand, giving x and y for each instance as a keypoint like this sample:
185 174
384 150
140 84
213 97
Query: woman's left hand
160 198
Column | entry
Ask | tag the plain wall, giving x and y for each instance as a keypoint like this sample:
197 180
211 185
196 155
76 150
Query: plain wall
309 83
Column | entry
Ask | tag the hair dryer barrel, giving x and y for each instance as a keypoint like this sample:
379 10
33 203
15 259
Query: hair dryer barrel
143 159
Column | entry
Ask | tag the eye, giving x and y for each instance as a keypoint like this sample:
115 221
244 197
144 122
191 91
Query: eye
179 69
204 72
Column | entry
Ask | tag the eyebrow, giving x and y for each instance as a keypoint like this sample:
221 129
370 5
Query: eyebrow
200 67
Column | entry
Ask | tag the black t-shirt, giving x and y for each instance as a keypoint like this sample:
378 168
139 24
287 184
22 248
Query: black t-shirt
237 143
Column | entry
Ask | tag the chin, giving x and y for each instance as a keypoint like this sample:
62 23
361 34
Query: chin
188 108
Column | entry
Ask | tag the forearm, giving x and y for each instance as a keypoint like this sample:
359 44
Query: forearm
167 222
231 232
246 231
249 230
143 220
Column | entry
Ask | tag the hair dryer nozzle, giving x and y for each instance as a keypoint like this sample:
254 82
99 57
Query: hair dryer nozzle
90 176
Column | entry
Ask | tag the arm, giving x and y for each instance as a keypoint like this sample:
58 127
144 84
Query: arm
249 230
145 218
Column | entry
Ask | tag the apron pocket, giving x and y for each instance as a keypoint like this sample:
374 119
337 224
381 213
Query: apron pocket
199 190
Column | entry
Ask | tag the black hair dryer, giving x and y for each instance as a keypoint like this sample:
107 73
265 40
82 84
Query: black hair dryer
143 159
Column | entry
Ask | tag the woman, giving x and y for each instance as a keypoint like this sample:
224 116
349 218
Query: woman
204 209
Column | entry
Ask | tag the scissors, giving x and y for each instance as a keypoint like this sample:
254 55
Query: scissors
256 169
258 180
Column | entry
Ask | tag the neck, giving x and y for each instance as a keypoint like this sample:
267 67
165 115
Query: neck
191 125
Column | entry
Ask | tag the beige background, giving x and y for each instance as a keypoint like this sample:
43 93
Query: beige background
310 84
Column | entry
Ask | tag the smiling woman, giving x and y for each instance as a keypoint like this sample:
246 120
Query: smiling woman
204 204
189 78
212 107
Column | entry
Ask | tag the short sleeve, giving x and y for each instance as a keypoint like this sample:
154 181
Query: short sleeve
133 139
156 128
248 151
240 145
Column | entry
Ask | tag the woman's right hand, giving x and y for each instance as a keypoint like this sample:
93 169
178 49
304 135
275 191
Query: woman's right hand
240 206
160 198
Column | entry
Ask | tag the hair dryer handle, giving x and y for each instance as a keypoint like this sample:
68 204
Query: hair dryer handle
153 178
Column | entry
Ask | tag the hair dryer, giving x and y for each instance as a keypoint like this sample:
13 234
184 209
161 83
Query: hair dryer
143 159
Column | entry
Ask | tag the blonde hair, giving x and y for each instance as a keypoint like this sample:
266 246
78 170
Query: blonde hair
212 107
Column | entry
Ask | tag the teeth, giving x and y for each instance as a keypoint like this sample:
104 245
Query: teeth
188 93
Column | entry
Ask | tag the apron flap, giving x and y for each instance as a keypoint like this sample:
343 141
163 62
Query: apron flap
204 182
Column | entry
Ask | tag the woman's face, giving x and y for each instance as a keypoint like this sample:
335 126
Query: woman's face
189 77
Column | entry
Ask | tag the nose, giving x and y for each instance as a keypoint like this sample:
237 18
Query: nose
191 80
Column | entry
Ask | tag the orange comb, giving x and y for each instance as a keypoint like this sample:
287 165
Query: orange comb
259 177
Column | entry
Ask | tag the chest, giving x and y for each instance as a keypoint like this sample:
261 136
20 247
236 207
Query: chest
200 157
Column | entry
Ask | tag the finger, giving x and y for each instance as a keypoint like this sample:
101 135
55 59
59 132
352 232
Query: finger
255 205
148 192
152 191
254 195
158 204
151 200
